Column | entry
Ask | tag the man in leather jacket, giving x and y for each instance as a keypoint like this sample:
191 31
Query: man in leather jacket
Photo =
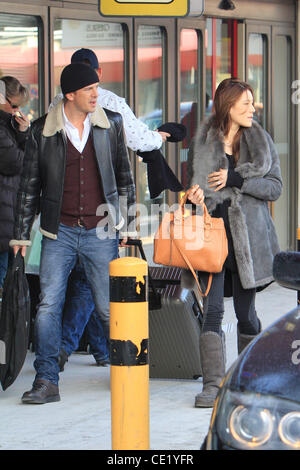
76 168
79 312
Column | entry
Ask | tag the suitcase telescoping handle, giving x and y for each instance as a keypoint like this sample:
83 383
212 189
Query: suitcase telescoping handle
139 244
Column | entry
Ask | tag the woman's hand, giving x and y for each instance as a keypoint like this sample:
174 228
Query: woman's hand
218 179
22 120
196 195
16 248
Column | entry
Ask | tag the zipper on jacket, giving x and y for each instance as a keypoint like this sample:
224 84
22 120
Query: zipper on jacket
63 136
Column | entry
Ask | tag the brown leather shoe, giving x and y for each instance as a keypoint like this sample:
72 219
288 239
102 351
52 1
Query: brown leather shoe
103 363
43 391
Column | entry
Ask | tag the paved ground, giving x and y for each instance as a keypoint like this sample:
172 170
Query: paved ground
82 419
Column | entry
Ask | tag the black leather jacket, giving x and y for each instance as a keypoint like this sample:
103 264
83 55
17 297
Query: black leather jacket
42 179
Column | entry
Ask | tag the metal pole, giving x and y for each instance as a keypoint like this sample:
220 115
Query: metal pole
129 354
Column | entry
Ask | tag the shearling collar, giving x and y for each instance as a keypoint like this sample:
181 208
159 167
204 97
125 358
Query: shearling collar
54 121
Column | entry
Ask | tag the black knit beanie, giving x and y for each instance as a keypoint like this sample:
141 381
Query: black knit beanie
76 76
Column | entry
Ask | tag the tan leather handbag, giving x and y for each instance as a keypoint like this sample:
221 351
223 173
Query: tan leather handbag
191 241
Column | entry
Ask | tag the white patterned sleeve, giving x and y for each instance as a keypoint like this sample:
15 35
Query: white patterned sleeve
138 135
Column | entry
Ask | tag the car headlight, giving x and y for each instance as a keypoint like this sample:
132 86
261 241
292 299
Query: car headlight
251 426
254 421
289 429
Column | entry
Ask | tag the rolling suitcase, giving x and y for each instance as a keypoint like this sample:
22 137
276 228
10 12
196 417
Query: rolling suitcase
175 318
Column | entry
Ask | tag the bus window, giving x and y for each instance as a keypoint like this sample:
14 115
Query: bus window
220 39
19 56
257 74
105 39
189 93
150 91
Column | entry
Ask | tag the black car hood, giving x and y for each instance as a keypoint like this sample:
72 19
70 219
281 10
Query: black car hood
271 364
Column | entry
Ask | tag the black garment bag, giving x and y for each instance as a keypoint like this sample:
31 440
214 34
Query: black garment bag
14 322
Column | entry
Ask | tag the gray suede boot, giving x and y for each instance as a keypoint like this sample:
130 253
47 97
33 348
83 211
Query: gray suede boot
213 367
243 340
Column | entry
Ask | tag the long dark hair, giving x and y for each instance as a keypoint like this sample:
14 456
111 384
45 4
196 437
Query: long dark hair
227 94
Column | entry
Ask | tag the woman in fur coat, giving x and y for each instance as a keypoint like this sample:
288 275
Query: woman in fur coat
234 165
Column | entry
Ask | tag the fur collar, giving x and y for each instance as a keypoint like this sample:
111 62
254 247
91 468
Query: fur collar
208 156
255 155
54 121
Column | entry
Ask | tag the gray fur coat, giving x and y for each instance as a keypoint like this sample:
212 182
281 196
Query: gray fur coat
253 233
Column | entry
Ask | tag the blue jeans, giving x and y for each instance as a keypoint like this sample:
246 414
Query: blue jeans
3 266
79 312
58 258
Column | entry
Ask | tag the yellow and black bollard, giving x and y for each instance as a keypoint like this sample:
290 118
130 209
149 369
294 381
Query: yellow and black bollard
129 354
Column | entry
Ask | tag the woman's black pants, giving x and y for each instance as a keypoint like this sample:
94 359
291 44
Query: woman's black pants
243 301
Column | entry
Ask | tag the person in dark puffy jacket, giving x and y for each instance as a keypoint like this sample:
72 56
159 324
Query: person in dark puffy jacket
13 133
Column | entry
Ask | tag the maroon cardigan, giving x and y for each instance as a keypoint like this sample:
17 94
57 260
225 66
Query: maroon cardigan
83 191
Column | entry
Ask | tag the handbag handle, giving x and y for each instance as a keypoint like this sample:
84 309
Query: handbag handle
206 215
